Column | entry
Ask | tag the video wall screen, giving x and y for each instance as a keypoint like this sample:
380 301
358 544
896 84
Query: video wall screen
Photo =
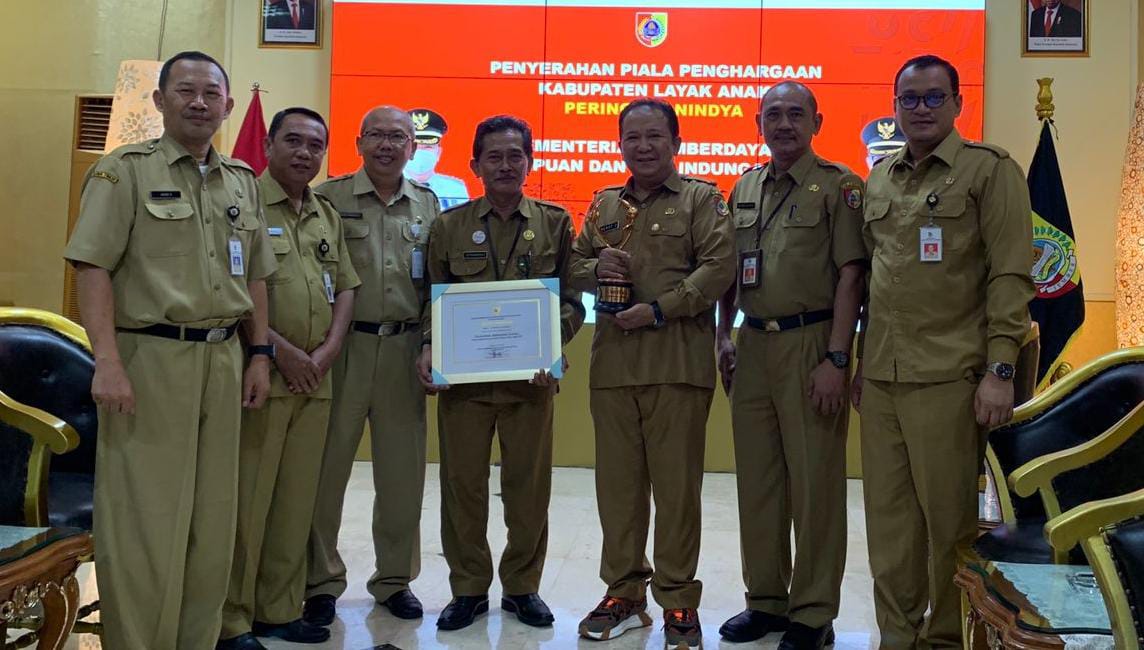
568 67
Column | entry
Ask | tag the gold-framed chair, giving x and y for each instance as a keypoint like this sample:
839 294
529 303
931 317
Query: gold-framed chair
1076 409
46 367
27 460
1111 532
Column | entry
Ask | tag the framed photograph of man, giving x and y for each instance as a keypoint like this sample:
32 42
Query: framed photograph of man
1055 27
290 23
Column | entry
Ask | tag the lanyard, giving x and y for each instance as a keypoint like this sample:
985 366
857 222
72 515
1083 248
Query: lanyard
760 230
497 269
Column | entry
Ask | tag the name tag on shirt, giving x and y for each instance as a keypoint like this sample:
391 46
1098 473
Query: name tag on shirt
237 266
417 264
274 232
160 195
750 265
609 227
328 283
931 247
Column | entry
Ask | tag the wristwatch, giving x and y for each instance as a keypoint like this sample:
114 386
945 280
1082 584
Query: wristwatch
1003 371
268 350
660 321
838 358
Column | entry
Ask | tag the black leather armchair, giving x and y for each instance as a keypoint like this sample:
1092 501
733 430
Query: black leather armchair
1075 410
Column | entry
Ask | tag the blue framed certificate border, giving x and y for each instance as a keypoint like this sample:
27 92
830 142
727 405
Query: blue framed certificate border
453 365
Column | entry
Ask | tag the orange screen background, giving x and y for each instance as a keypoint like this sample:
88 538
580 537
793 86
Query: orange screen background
439 56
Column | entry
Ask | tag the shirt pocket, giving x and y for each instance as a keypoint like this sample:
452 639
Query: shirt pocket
169 230
956 218
805 228
356 233
666 242
281 246
874 222
746 225
543 265
464 268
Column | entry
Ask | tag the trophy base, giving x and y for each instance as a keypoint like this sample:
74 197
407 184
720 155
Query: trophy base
613 296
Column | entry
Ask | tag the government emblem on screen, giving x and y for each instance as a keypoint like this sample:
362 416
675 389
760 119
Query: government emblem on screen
651 28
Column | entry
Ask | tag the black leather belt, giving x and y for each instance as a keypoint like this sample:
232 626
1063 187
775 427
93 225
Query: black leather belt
790 322
179 333
384 329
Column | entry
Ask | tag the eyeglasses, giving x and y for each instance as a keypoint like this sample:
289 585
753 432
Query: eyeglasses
933 99
396 138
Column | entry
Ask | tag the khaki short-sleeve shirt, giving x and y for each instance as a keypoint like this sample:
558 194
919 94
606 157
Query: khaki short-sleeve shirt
300 307
682 248
470 243
386 240
938 321
807 224
165 231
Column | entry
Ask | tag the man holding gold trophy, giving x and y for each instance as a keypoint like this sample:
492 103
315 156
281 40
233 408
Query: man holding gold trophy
658 252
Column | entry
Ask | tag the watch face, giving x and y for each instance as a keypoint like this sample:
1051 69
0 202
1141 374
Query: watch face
1003 371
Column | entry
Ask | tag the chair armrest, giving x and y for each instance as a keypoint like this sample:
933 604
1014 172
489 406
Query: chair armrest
45 428
1039 473
1071 528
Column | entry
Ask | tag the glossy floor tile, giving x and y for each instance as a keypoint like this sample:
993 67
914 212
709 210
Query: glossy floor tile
570 586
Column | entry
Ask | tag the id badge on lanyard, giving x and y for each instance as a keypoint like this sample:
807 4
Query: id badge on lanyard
750 265
930 246
237 264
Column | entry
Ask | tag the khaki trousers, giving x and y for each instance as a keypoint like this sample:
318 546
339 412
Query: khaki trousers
280 458
921 454
374 378
165 488
790 466
650 443
525 432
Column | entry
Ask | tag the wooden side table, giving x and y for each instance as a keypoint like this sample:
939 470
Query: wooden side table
1031 606
38 565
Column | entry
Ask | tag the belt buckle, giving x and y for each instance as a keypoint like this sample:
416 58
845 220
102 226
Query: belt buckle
216 335
771 326
387 329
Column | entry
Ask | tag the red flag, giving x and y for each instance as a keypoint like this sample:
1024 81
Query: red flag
248 145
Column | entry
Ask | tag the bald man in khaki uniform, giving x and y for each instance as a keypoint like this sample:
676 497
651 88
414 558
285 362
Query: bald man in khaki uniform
653 372
311 300
802 263
386 220
504 235
171 251
947 223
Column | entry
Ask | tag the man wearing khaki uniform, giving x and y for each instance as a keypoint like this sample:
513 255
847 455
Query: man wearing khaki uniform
947 223
653 372
802 262
171 251
504 235
311 298
386 220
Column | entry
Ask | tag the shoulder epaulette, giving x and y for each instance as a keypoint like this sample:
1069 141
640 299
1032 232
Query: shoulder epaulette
454 208
322 198
146 147
550 204
609 188
341 177
699 180
998 151
416 183
236 163
830 164
881 160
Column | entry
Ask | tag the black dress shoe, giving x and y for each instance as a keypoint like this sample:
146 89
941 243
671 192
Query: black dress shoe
752 625
404 604
240 642
529 609
804 637
319 610
296 631
462 611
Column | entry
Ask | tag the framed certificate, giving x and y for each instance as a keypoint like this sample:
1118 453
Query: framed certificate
496 331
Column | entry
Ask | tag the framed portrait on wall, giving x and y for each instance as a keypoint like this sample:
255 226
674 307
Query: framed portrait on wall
290 23
1055 27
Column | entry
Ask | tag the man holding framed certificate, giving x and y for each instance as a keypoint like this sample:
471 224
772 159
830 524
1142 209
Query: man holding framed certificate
658 251
501 236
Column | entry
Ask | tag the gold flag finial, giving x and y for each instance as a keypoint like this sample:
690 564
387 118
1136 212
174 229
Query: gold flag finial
1045 106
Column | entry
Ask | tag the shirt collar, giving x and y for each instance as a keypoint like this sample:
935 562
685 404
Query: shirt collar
363 185
173 152
273 194
946 152
526 208
673 183
797 172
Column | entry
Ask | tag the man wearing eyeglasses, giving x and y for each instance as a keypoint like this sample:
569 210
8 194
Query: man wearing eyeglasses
947 225
385 219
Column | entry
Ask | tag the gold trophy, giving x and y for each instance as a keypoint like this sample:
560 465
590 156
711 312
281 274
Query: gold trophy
612 295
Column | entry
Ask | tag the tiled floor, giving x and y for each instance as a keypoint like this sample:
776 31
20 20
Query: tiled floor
571 585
